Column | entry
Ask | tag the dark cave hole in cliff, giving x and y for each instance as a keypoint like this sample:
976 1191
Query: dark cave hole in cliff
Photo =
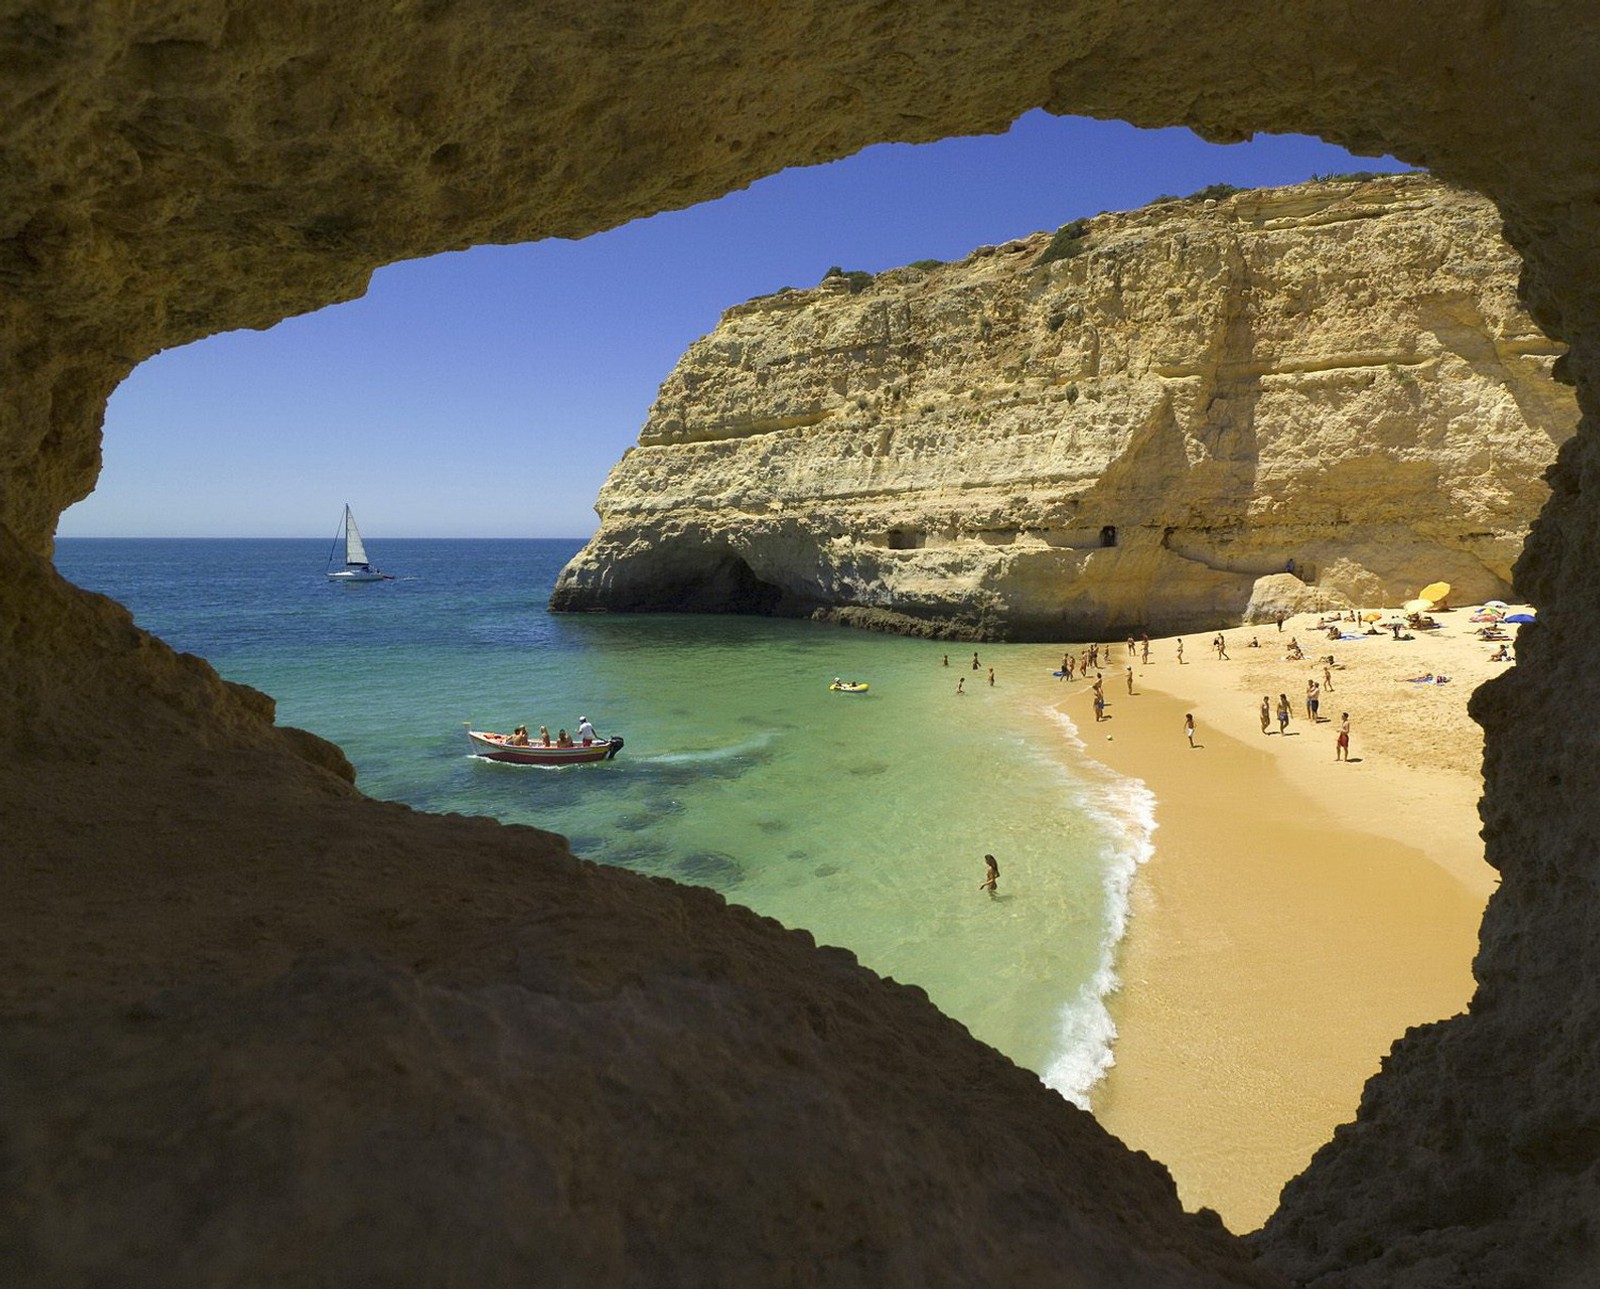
697 579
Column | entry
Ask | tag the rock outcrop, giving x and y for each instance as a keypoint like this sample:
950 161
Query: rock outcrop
1123 426
170 170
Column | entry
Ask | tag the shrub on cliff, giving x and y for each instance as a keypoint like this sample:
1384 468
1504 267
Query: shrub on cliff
859 279
1068 241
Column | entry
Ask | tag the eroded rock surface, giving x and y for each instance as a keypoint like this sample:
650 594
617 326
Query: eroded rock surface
170 170
1334 377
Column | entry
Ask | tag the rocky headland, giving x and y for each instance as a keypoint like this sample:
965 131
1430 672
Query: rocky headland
1206 410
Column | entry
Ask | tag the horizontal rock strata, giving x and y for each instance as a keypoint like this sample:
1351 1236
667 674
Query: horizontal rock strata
1125 426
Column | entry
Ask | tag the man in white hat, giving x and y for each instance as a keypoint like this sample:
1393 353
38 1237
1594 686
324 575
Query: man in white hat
586 734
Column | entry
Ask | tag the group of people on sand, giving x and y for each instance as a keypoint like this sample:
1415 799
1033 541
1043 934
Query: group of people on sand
1283 712
1283 709
585 736
1091 656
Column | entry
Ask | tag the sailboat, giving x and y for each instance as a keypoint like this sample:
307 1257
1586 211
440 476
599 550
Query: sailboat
357 568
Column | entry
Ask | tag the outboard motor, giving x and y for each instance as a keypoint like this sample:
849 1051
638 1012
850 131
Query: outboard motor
615 744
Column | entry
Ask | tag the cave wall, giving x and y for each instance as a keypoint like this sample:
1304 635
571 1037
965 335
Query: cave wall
170 170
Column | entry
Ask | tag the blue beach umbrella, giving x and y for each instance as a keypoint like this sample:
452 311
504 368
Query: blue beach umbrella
1520 617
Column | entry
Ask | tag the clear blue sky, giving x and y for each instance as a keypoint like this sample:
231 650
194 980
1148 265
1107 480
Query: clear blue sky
488 393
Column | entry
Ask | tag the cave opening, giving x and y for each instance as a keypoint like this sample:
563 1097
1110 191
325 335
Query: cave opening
681 577
725 579
686 577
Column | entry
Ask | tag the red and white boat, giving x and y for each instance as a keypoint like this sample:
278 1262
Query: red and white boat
497 747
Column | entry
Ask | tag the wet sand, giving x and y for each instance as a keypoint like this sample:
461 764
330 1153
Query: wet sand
1298 914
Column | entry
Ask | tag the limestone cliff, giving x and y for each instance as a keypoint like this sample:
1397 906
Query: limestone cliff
1127 430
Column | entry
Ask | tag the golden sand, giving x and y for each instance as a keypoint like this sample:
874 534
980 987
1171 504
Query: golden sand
1298 914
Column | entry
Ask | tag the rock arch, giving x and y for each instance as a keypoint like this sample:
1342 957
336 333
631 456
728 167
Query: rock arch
170 171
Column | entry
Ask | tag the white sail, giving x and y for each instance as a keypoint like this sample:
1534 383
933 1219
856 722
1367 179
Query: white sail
354 551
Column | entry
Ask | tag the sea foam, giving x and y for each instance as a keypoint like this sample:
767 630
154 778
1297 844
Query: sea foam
1125 809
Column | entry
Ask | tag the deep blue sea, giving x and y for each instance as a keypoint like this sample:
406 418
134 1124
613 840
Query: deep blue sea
861 818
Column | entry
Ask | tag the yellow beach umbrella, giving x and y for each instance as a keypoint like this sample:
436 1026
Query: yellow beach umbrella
1371 617
1417 606
1435 591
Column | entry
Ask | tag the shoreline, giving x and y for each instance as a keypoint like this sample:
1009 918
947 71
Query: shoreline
1296 915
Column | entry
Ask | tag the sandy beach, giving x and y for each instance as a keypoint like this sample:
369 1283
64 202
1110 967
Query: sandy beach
1298 914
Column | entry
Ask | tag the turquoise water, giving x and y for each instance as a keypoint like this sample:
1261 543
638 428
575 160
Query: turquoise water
863 818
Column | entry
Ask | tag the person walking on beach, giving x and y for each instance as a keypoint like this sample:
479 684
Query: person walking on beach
1144 648
1188 727
1222 647
1341 749
991 876
1099 707
1283 713
1180 651
1327 676
1130 678
1313 699
961 684
991 677
1266 714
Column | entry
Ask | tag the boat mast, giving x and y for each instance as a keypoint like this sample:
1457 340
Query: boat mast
338 534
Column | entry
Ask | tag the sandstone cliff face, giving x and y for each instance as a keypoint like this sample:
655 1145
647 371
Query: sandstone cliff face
1336 374
175 169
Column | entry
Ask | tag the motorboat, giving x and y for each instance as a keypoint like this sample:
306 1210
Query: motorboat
499 747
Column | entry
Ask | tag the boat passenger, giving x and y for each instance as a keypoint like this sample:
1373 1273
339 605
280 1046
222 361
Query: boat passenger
586 731
519 737
544 736
563 739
